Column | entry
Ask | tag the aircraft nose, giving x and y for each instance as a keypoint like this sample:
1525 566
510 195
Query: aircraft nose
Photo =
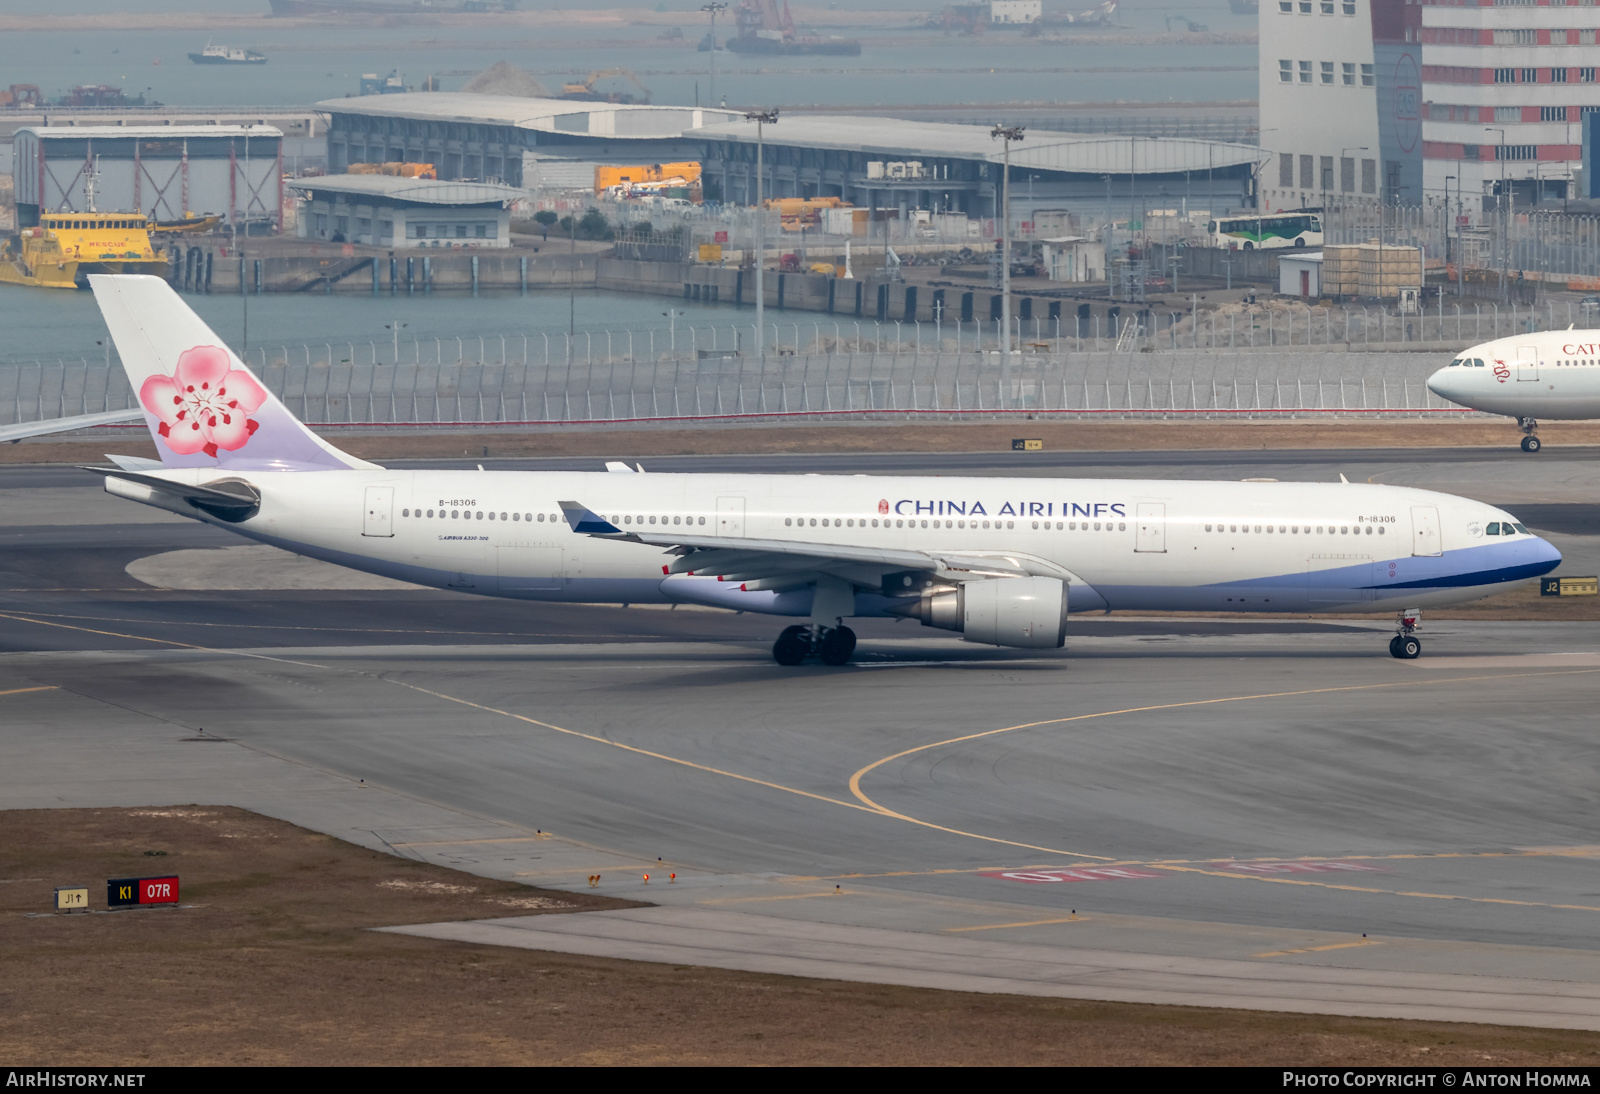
1446 384
1545 554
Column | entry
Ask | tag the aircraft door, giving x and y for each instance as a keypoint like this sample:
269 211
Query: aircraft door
730 517
1150 528
379 519
1425 531
1527 365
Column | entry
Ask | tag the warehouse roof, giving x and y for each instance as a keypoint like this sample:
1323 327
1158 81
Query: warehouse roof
1040 149
547 115
148 132
415 191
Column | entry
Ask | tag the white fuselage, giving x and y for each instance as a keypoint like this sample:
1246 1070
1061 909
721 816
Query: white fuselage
1553 375
1128 544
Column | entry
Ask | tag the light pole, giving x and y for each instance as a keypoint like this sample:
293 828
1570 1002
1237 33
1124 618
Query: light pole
714 10
1342 151
395 328
1006 134
1447 251
762 118
1500 204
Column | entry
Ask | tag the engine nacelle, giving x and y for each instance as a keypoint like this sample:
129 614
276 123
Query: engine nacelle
1026 612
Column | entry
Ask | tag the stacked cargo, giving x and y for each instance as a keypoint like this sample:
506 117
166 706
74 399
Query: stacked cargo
1370 270
1341 269
1387 270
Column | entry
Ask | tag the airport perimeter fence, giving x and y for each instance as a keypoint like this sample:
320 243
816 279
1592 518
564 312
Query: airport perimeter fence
949 386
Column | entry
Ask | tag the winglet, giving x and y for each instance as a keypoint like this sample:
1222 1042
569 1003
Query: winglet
1343 479
586 522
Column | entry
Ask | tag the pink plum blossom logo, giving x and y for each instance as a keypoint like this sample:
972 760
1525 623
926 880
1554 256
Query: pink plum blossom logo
205 404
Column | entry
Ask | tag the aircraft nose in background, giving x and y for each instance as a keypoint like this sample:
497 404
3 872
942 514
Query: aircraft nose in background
1447 384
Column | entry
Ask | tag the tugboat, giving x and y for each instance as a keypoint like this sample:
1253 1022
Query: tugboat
227 55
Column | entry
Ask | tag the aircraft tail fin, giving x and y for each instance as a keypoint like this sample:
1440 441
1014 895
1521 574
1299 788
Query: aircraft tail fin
204 406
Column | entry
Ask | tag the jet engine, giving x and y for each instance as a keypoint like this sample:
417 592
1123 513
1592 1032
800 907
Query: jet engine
1026 612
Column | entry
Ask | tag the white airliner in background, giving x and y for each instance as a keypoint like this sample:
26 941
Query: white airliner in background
1553 375
1000 560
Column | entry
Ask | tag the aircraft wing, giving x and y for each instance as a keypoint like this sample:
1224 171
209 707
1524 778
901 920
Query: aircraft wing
781 563
47 426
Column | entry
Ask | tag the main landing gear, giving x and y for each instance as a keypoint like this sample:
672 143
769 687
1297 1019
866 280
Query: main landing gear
830 645
1405 644
1530 439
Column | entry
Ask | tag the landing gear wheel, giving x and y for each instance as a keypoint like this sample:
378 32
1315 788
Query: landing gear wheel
792 646
1394 646
837 646
1531 443
1406 647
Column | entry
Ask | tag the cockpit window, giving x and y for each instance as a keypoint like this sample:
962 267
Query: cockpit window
1477 362
1523 528
1454 364
1493 529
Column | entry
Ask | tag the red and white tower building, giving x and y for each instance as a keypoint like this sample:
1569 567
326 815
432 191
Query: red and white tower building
1504 86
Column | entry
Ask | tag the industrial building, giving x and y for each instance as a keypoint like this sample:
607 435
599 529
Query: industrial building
507 139
885 163
873 163
1395 100
387 211
165 172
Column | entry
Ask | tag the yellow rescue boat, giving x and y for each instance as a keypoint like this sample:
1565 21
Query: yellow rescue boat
66 248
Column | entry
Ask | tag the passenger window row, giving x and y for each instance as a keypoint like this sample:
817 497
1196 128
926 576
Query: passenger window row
1299 529
479 514
632 519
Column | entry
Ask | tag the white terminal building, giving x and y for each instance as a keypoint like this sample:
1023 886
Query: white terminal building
1396 100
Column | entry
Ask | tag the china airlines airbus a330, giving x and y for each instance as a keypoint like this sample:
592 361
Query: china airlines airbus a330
1554 375
1000 561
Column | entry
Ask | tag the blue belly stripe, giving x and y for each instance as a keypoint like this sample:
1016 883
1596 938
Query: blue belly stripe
1480 577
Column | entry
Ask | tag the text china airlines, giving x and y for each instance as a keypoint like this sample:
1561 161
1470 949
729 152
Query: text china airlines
910 507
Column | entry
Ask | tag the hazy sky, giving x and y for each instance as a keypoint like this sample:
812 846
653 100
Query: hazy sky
246 7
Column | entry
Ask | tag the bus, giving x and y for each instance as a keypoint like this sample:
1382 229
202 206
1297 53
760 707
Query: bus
1283 230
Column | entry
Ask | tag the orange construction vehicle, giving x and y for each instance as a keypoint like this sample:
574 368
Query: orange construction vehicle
402 170
802 214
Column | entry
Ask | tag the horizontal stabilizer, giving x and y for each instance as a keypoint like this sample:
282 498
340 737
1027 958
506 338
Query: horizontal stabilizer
228 500
48 426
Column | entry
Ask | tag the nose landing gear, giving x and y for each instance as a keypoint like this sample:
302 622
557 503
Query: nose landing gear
830 645
1405 644
1530 439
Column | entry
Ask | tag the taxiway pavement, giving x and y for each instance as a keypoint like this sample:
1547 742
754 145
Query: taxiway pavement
1279 795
